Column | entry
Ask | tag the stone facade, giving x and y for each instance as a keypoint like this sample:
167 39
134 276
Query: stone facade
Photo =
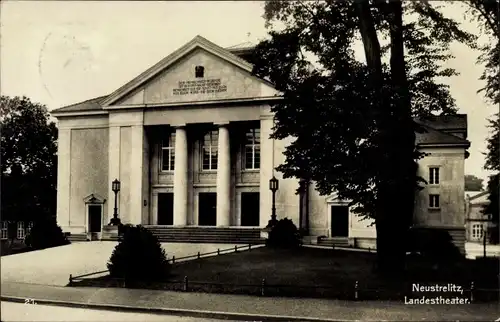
120 136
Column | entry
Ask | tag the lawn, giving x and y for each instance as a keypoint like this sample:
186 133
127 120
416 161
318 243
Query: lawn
313 272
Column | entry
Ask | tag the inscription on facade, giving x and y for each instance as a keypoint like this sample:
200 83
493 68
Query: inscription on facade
202 86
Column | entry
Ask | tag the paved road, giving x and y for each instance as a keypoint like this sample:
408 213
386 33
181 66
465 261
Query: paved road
29 312
52 266
233 306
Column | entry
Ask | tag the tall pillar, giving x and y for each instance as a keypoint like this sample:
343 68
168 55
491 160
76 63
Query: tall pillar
266 168
113 169
136 174
180 177
223 177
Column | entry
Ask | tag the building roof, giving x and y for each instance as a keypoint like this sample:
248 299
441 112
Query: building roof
433 136
92 104
446 122
242 46
472 194
481 196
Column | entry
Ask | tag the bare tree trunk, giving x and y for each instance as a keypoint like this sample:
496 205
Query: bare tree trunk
383 212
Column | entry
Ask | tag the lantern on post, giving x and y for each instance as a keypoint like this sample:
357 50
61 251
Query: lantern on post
115 187
273 186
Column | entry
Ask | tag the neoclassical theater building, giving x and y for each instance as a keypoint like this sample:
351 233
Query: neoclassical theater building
188 139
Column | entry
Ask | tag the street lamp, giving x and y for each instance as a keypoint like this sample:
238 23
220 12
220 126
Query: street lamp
115 186
273 186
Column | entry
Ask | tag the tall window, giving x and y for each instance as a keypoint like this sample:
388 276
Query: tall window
433 175
477 231
252 149
434 201
210 141
4 230
21 232
167 154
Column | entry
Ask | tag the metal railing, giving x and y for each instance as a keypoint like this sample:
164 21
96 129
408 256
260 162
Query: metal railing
264 288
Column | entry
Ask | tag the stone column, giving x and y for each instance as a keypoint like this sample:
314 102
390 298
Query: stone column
223 177
136 174
180 177
113 169
266 168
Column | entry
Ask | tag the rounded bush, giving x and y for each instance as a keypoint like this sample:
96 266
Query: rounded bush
138 257
284 234
45 234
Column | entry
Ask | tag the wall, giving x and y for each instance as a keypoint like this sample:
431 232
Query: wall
72 167
451 189
125 154
318 213
238 83
126 159
89 171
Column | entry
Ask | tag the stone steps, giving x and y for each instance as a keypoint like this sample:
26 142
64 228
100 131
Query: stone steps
76 237
334 241
206 235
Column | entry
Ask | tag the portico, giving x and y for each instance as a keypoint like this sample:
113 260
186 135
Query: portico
199 166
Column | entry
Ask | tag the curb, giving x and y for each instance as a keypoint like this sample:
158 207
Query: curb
173 311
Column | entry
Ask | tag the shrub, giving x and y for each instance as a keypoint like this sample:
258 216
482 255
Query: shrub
138 257
45 234
435 244
284 234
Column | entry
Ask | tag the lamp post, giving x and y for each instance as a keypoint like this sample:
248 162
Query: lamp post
115 186
485 231
273 186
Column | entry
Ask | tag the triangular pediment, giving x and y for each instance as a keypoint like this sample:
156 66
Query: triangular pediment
94 199
334 199
174 80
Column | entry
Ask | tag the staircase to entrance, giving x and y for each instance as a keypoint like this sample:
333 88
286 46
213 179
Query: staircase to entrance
225 235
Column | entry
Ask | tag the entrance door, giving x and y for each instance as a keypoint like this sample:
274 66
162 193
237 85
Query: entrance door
340 221
207 209
95 218
250 206
165 209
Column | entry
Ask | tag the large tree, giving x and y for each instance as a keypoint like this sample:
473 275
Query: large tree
352 120
473 183
29 160
487 14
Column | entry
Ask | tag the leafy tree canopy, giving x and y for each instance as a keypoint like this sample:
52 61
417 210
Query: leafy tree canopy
473 183
29 159
330 108
487 14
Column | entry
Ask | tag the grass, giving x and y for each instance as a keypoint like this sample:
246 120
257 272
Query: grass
310 272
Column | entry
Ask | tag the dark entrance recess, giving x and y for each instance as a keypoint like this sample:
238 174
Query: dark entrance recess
250 206
207 209
166 208
340 221
95 218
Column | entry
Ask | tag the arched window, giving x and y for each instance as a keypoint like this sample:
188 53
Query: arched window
209 148
167 154
252 149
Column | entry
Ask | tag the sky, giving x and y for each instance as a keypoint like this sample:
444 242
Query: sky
62 52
